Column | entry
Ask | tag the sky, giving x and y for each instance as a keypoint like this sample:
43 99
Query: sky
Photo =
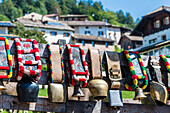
137 8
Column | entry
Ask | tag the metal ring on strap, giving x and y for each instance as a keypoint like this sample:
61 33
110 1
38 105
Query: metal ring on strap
133 73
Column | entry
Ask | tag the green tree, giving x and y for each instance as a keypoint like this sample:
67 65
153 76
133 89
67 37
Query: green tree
27 33
4 18
121 17
98 6
129 21
52 6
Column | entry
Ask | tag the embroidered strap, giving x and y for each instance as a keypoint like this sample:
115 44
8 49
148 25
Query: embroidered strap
9 60
56 63
164 57
21 62
133 73
73 71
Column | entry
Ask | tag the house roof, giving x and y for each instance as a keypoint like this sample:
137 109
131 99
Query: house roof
6 24
37 20
131 37
159 9
73 16
145 48
87 23
9 35
91 37
138 30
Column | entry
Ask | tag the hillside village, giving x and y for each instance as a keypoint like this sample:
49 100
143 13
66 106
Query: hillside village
149 37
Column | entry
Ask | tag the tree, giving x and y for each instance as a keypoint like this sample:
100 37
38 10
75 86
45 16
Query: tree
129 21
98 6
27 33
52 6
121 17
4 18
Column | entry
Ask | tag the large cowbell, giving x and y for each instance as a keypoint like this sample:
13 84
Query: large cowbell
56 89
97 86
27 90
114 76
158 91
56 92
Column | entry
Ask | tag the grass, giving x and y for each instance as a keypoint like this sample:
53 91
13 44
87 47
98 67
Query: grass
43 92
128 94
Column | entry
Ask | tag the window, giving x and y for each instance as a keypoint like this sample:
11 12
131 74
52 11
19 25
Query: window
93 43
53 33
156 52
66 34
100 33
145 53
157 24
150 53
83 43
43 32
87 32
167 20
152 41
163 37
106 44
87 27
100 27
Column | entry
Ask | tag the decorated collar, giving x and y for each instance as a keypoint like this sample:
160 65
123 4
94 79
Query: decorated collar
133 73
21 62
9 59
164 57
74 73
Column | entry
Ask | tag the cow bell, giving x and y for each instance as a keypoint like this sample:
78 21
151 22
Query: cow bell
158 92
98 88
55 92
27 90
77 91
2 87
139 94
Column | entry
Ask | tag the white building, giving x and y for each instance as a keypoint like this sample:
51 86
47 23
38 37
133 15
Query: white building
54 31
96 28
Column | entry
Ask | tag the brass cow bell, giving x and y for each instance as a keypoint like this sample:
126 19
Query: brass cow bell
77 91
98 88
139 94
56 92
158 92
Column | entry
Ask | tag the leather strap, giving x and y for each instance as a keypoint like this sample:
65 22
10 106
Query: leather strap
156 72
113 66
96 64
56 64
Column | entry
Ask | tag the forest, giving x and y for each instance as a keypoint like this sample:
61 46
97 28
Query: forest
12 9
